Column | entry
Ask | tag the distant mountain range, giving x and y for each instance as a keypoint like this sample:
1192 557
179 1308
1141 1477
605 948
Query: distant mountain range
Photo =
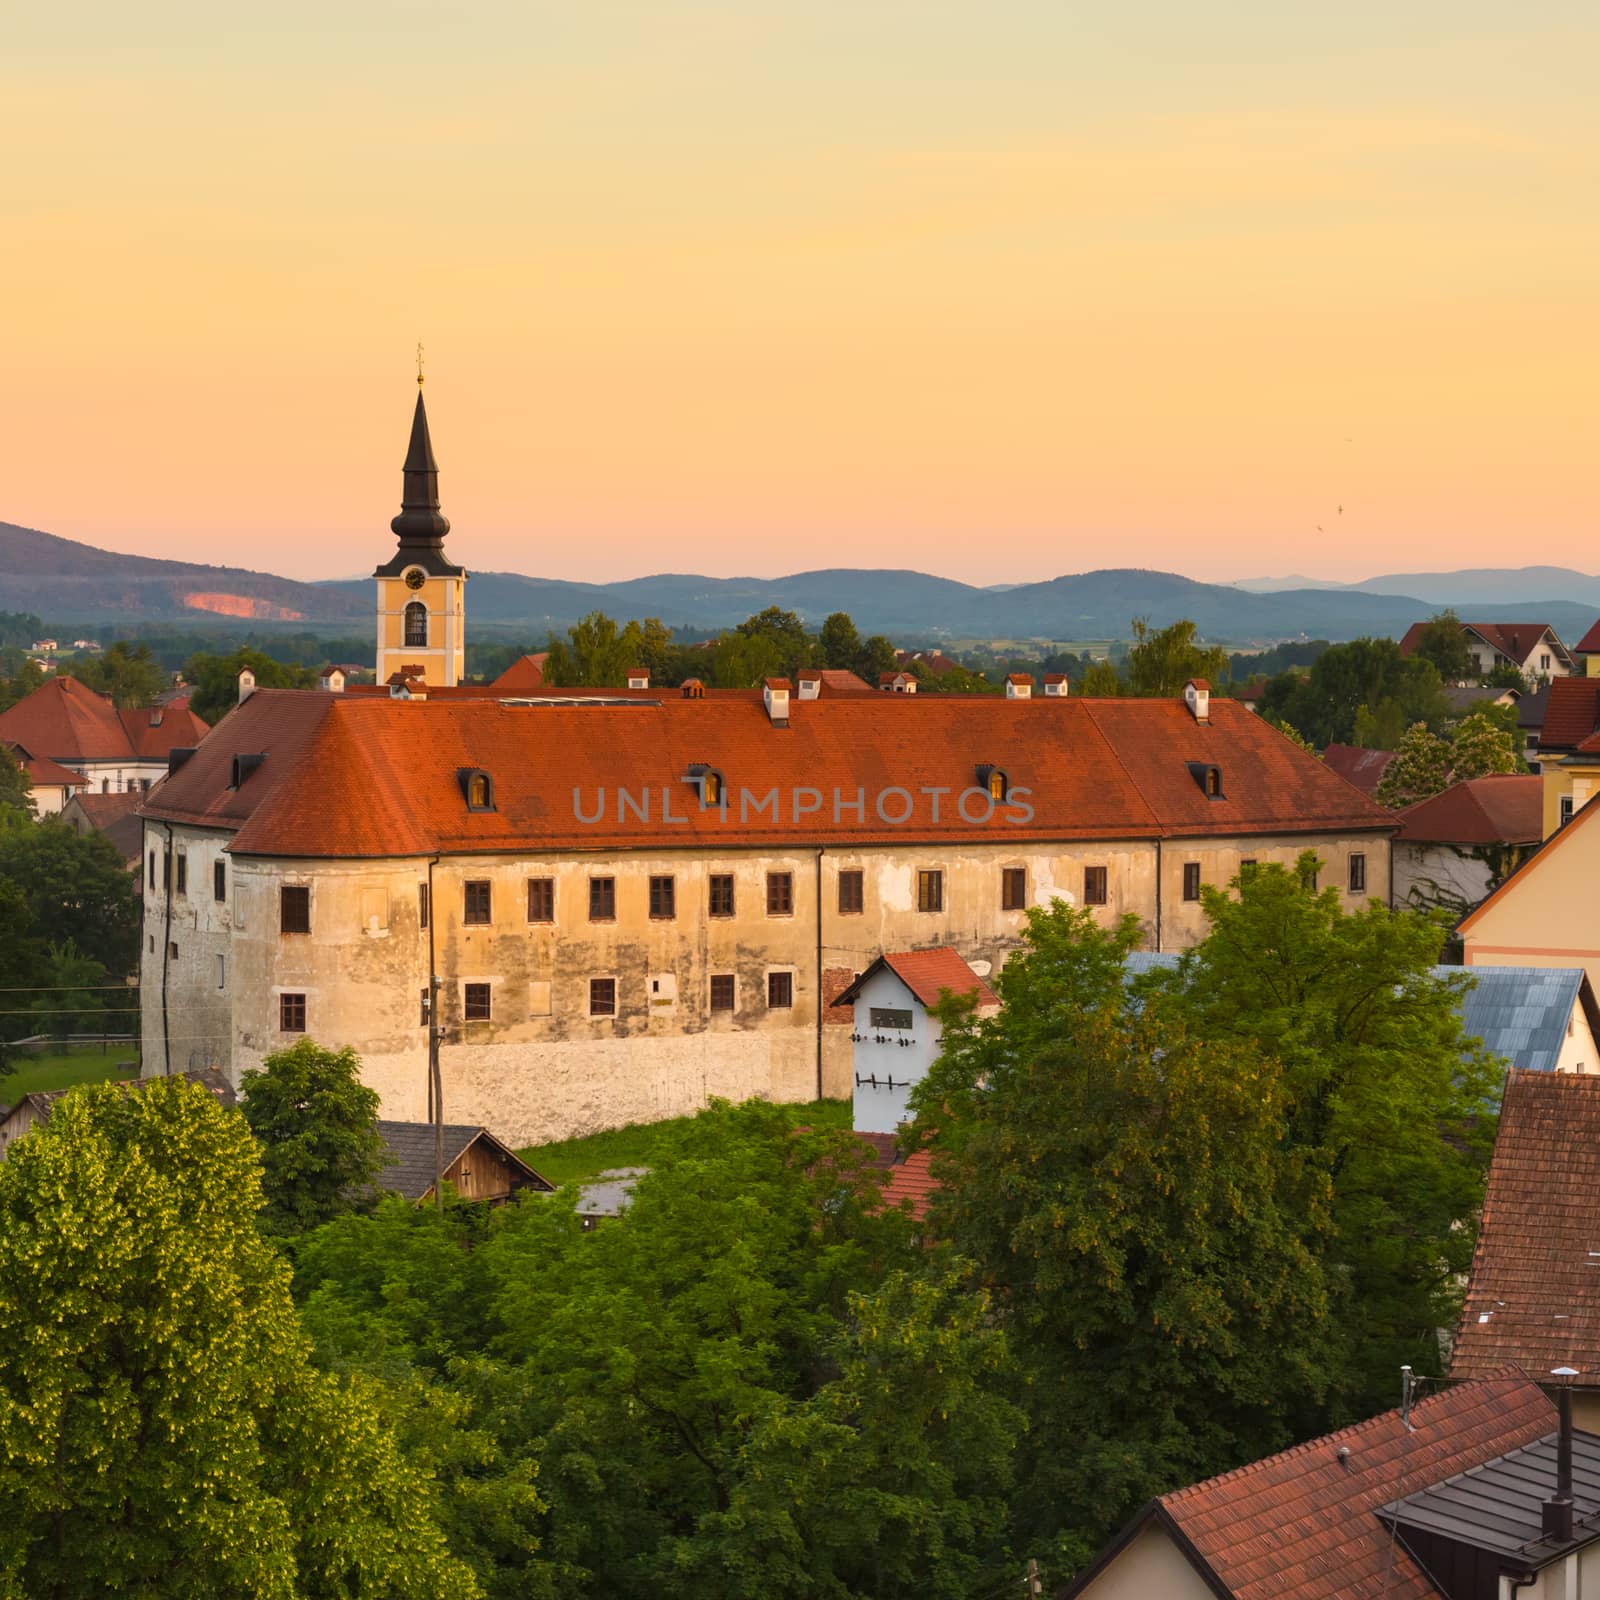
63 581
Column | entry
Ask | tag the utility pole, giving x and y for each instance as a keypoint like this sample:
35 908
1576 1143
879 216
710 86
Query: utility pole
436 1087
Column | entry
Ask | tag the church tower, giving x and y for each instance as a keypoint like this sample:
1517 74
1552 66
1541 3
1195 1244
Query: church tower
421 596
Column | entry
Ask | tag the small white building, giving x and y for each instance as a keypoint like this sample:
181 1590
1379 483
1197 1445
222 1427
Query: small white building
897 1037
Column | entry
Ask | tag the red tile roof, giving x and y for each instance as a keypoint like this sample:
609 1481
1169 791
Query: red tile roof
1571 713
1498 810
42 770
378 777
1515 640
525 673
1589 644
1534 1295
1302 1525
928 973
1363 768
911 1183
62 720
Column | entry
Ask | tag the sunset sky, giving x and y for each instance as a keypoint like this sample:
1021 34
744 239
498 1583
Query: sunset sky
998 289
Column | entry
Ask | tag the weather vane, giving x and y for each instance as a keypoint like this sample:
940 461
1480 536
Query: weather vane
419 363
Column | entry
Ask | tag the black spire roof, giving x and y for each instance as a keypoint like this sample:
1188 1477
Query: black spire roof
421 525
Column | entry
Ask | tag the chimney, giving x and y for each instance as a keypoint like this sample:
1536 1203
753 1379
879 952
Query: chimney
775 694
1556 1521
693 689
810 685
1055 685
247 684
333 680
1197 696
1019 686
638 677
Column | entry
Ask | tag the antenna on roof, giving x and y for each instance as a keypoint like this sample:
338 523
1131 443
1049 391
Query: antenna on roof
1407 1390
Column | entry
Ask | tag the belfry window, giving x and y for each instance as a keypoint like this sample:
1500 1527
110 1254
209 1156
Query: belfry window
416 623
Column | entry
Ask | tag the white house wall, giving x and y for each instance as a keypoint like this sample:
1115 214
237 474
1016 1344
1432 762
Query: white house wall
878 1106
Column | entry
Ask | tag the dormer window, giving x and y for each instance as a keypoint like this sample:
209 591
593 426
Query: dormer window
993 782
478 788
243 766
693 689
708 781
416 623
1209 778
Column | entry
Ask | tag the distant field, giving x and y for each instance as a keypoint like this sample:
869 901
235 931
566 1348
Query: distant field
38 1074
567 1160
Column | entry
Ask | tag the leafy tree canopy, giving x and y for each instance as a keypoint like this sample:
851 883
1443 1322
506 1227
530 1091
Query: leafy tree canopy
1099 678
214 680
1421 767
1324 704
161 1428
1443 643
76 889
1481 745
1162 660
129 673
317 1123
16 791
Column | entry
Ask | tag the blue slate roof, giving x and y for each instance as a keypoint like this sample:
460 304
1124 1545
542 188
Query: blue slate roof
1520 1013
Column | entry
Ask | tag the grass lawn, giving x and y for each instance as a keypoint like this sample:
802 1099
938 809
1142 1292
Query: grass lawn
33 1074
567 1159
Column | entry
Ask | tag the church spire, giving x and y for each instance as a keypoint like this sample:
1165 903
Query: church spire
420 523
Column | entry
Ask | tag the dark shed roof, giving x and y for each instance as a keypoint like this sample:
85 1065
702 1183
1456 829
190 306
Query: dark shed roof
411 1145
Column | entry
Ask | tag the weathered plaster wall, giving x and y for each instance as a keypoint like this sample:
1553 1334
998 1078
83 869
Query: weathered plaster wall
1427 875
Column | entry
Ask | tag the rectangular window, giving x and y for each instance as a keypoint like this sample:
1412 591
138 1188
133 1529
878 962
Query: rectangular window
291 1013
1191 880
222 972
663 898
475 1002
1094 886
1013 888
780 894
422 905
1247 866
219 880
930 890
602 997
478 906
294 908
183 872
152 869
884 1017
422 1021
541 899
721 901
722 991
780 990
1566 809
1358 874
852 896
166 869
602 899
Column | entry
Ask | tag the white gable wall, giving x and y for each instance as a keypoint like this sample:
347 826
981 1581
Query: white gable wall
880 1107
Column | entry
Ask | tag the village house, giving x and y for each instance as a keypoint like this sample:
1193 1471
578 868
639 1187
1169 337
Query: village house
114 815
1471 1493
1533 648
635 899
115 750
1455 846
475 1164
50 785
1569 749
1533 1299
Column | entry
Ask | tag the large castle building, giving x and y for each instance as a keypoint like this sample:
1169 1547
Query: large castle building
609 906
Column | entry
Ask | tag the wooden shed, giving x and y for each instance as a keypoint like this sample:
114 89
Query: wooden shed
476 1165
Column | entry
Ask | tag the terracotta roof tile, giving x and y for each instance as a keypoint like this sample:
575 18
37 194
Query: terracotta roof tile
377 777
1534 1295
62 720
1505 809
1363 768
1589 644
1301 1525
911 1183
1571 713
42 770
1516 640
928 973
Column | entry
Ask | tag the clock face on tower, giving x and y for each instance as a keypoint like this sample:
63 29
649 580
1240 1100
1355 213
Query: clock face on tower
415 578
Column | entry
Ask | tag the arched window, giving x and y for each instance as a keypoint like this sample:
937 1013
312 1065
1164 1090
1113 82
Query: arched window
997 785
416 623
1214 782
711 789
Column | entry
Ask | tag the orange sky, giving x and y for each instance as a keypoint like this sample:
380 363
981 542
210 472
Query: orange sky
993 288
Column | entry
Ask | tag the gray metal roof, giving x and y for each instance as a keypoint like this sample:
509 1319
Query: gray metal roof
1499 1506
411 1145
610 1194
1520 1013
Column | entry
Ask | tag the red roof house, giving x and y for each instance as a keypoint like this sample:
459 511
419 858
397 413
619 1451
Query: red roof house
1503 809
1363 768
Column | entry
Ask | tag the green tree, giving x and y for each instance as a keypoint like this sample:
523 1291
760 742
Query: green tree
23 964
1481 746
839 642
214 680
129 673
1100 679
16 790
74 996
1324 703
321 1151
161 1428
1381 1093
877 657
77 891
23 678
1118 1180
742 660
1421 767
1380 728
1442 642
1293 735
1505 675
596 653
787 633
1163 660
